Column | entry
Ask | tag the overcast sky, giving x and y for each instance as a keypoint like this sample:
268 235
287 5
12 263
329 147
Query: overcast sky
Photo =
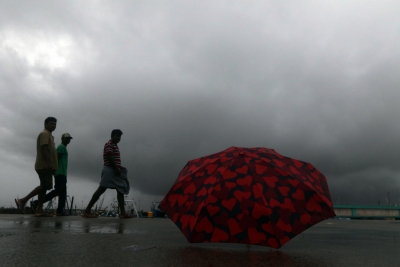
315 80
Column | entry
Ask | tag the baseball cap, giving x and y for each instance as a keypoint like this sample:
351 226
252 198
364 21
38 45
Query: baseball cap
66 135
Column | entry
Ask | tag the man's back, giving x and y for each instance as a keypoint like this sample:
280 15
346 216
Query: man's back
45 138
62 152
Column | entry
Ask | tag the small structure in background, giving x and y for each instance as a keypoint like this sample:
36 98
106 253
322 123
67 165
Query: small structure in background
114 211
367 212
156 210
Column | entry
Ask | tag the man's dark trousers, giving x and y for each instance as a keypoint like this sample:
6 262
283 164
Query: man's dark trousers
60 190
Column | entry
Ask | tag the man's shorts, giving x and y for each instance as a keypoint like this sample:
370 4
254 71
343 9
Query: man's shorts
46 178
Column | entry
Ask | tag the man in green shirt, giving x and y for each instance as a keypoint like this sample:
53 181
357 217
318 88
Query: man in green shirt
60 178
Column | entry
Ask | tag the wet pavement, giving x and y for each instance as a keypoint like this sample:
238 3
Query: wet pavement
75 241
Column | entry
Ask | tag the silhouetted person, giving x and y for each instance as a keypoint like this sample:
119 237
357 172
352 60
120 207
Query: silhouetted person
113 176
60 178
46 164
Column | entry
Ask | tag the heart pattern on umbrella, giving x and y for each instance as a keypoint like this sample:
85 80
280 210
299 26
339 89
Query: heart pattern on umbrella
247 195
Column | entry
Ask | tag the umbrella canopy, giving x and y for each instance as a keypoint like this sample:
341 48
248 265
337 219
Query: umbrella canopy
247 195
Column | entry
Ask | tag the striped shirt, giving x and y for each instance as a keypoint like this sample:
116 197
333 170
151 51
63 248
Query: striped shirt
111 149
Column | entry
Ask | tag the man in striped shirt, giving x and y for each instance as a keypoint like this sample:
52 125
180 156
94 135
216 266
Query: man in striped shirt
111 155
113 176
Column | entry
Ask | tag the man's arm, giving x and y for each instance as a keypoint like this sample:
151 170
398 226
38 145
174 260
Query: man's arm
115 167
46 154
61 150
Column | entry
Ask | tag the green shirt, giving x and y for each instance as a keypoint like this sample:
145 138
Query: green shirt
62 160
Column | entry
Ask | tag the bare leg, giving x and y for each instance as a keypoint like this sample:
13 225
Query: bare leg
41 196
95 197
121 203
40 190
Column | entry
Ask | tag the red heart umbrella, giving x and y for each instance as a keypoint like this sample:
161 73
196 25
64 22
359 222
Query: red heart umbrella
247 195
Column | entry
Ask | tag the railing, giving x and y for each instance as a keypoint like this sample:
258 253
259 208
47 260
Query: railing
367 212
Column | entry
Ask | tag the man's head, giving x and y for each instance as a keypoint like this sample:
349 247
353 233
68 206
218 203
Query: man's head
116 135
50 124
66 139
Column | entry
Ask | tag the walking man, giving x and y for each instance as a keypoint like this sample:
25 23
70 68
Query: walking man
60 178
46 164
113 176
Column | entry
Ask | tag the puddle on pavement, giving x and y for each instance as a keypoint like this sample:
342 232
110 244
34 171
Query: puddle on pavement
20 222
118 228
137 248
76 227
105 230
4 235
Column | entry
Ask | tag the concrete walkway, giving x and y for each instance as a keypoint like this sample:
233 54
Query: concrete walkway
75 241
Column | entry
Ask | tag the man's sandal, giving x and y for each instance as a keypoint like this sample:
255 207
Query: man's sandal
20 207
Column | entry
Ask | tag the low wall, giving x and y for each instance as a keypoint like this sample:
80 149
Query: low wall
367 212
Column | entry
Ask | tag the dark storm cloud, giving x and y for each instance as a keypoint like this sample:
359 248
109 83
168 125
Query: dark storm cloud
315 82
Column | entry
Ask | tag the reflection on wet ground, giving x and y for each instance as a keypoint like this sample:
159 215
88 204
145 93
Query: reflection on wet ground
194 256
137 248
73 227
158 242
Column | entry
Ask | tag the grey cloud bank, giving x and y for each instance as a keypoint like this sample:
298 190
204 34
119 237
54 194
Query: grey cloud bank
315 81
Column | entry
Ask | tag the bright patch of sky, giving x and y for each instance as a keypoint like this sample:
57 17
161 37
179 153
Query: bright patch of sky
40 50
